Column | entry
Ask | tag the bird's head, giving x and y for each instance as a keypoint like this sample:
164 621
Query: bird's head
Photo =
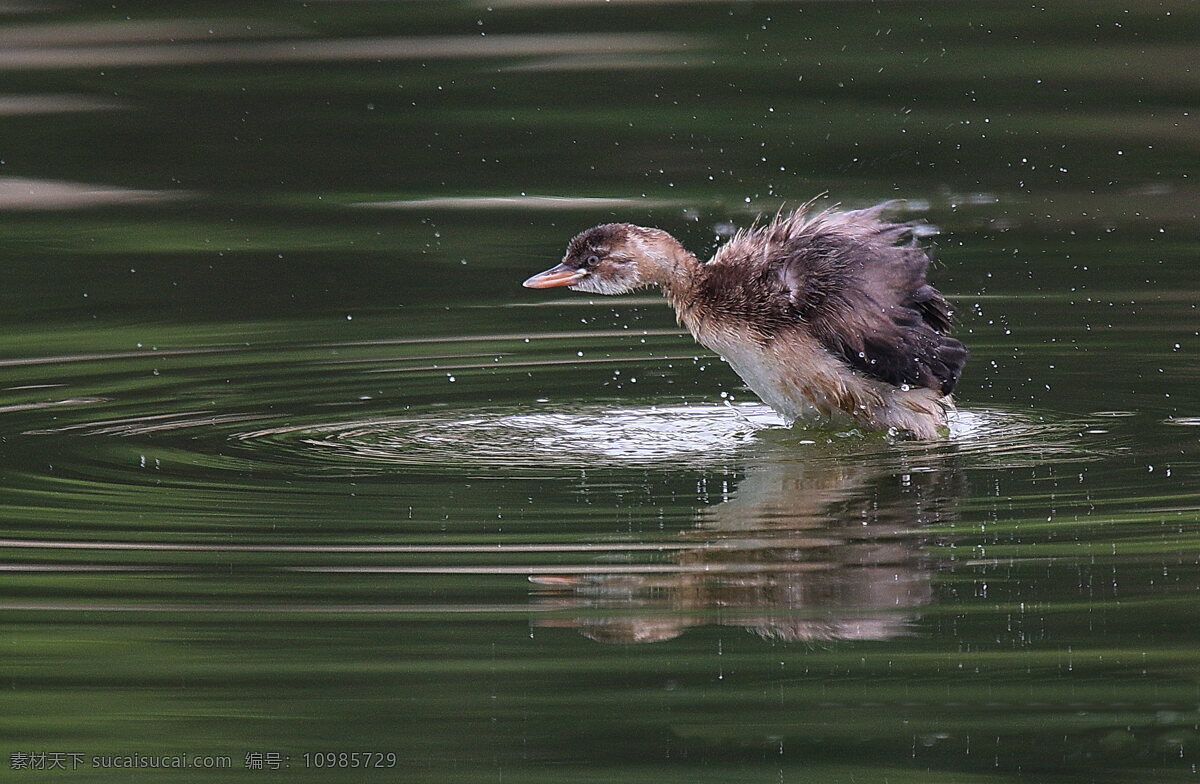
610 259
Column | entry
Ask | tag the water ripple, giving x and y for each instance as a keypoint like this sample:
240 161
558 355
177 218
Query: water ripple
623 436
508 438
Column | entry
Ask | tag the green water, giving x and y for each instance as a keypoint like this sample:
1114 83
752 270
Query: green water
293 465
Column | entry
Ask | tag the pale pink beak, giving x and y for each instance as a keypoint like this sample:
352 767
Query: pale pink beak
562 275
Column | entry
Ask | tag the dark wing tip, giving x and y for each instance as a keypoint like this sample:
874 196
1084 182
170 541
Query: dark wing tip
951 356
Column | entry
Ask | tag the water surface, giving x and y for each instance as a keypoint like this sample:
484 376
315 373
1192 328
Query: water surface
293 464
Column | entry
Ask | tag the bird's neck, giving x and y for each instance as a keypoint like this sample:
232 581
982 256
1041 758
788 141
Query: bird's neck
681 288
671 267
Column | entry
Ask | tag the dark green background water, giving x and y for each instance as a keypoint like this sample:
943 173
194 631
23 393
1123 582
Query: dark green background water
293 464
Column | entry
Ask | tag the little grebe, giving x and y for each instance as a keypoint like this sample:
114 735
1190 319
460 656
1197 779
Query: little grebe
820 314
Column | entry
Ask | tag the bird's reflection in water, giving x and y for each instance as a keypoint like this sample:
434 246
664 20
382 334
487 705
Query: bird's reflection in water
801 551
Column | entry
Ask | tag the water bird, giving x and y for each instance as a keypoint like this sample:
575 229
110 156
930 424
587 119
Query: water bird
825 315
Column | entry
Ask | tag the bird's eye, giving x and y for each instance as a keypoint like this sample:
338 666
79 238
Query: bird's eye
592 260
